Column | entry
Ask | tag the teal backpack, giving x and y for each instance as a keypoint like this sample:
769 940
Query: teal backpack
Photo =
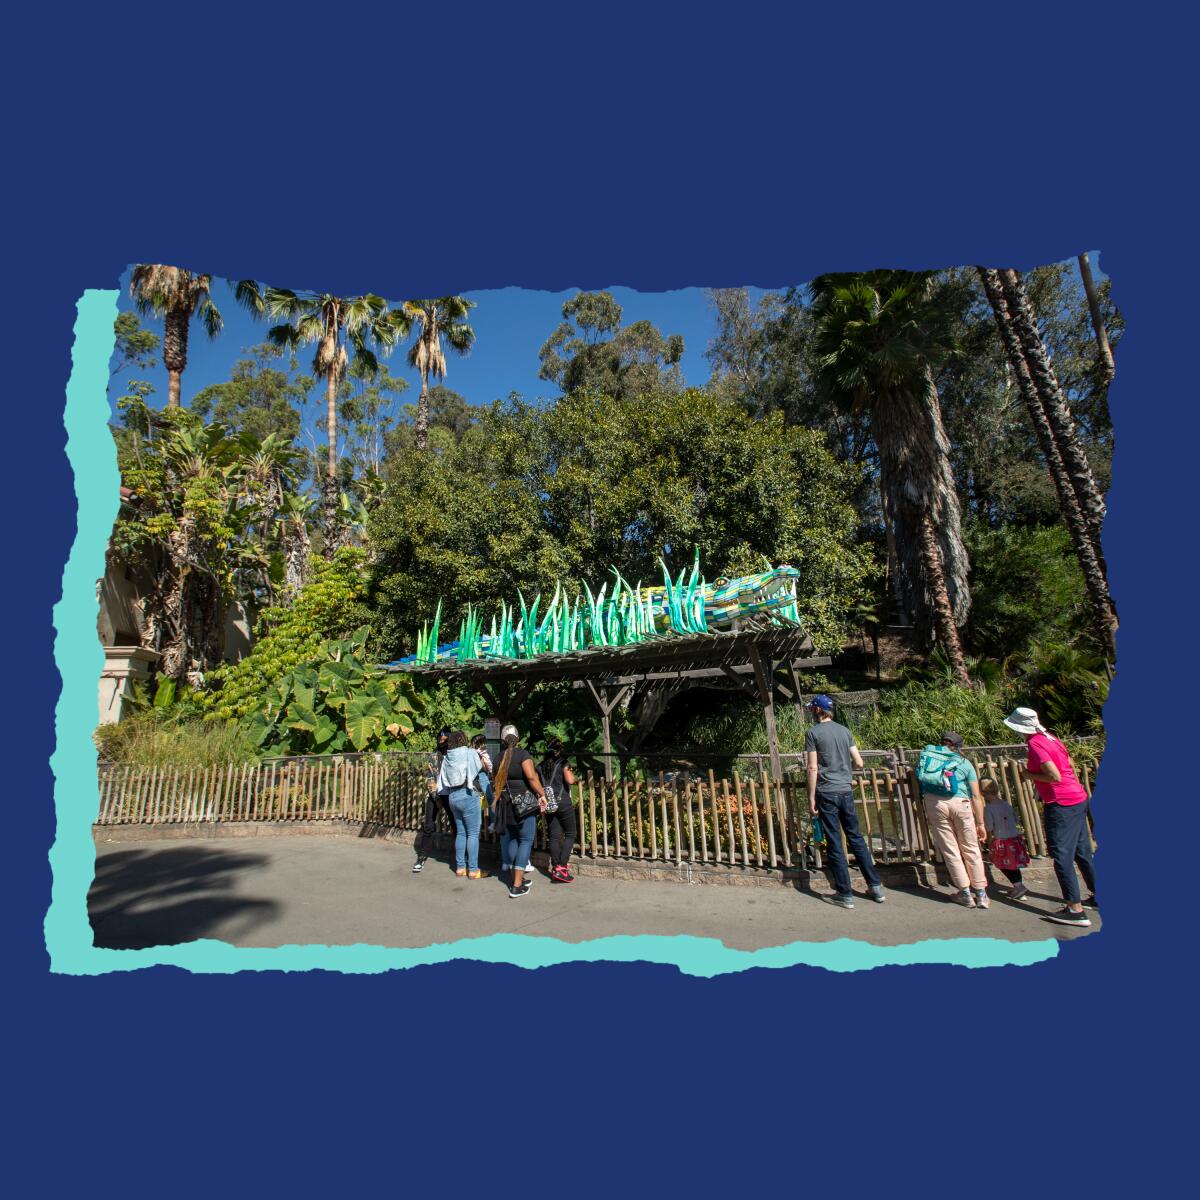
938 771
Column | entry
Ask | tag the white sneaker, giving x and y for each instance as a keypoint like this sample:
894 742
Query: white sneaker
981 898
528 874
964 898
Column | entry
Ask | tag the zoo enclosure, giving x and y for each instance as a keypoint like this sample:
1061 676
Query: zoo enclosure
659 808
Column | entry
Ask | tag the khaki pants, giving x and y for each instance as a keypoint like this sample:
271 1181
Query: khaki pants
952 824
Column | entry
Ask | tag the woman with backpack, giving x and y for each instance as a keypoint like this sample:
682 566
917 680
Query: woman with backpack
458 780
520 796
954 812
558 779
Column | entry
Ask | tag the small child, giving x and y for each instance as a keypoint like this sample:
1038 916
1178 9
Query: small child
1006 846
484 782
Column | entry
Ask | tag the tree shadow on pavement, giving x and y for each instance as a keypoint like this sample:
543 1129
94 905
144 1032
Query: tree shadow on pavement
143 898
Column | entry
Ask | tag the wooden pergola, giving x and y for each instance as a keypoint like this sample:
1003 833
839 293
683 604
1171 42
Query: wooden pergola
761 658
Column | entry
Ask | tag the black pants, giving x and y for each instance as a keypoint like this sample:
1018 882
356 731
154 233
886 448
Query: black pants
1070 844
433 803
1011 876
561 827
837 808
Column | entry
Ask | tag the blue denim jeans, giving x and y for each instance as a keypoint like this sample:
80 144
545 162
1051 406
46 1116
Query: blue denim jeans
837 809
1070 843
464 804
516 843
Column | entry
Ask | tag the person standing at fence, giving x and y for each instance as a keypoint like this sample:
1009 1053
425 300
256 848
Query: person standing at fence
1006 846
434 800
458 781
484 780
516 776
954 812
557 777
1064 813
831 754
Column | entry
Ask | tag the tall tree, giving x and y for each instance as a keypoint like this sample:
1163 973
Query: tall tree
879 337
1107 366
592 352
440 323
1087 549
263 395
1058 414
135 346
329 323
176 296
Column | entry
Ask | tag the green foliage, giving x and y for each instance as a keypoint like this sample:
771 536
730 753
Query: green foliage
329 606
533 497
155 736
1025 585
591 352
259 398
135 346
336 703
918 712
1068 686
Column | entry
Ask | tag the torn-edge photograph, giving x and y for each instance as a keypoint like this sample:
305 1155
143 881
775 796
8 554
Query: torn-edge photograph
760 616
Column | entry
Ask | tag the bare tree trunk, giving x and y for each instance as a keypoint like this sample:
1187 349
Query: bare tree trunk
1058 414
1086 551
1093 300
423 413
943 614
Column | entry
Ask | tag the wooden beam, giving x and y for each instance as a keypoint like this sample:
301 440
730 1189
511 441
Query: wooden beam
699 673
764 677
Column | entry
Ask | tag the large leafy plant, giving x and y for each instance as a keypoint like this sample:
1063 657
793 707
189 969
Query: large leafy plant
336 703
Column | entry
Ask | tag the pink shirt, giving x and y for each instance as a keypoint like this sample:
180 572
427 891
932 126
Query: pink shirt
1068 790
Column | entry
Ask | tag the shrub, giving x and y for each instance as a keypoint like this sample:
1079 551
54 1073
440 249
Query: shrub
152 738
329 606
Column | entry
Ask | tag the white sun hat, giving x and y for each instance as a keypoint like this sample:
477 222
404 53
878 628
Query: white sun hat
1024 720
509 730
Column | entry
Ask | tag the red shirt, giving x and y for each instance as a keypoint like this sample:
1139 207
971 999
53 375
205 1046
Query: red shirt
1068 790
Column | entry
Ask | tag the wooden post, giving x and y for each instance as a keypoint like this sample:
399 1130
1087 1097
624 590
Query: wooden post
764 676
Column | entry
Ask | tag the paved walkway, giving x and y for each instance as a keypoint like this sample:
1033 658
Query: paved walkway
272 891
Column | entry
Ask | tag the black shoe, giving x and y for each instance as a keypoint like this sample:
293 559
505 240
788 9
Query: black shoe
515 893
419 863
1065 916
1090 902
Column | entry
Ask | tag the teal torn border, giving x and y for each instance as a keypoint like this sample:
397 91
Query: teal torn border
80 659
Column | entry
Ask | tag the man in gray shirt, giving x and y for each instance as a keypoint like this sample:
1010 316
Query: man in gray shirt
831 756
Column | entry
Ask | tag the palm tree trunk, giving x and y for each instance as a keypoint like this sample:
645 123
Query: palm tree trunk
1091 564
175 340
423 413
943 614
1058 414
1089 290
331 420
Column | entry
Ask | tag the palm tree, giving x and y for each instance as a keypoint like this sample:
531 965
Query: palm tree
1058 414
1107 366
176 296
330 323
442 322
1087 550
878 338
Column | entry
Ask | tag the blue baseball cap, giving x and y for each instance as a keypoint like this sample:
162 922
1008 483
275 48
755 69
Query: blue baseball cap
822 702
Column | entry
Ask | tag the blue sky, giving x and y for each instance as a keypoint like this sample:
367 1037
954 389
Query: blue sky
510 326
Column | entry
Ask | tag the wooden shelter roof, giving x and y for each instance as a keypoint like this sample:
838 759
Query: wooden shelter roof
662 658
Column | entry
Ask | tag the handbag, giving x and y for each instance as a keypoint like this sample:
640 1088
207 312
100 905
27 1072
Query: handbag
523 805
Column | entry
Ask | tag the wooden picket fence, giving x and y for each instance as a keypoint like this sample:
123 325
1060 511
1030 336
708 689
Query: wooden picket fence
743 819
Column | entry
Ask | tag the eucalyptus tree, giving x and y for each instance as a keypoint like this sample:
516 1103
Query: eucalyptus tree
878 338
176 296
440 323
331 324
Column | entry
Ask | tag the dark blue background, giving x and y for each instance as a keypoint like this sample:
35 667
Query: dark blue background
590 146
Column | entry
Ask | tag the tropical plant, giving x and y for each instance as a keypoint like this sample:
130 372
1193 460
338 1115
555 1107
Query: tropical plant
329 606
329 323
879 337
202 521
335 703
176 296
440 323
